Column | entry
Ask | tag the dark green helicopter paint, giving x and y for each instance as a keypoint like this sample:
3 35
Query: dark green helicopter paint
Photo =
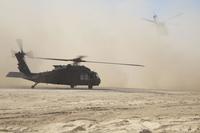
61 74
71 74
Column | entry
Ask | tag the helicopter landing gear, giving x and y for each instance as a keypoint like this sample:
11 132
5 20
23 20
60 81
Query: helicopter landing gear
33 86
72 86
90 86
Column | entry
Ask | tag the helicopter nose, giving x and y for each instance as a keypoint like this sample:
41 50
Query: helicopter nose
98 81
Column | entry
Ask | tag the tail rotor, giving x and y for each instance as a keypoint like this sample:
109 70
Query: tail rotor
22 66
20 45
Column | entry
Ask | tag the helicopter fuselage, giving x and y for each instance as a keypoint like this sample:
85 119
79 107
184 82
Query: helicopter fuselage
67 75
72 75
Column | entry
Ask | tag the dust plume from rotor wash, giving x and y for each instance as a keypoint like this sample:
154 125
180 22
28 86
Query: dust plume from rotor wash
105 31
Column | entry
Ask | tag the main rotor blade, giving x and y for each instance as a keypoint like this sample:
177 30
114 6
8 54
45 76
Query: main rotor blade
114 63
173 17
53 59
148 20
78 60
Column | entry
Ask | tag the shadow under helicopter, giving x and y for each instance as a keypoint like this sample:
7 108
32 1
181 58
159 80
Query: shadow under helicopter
101 89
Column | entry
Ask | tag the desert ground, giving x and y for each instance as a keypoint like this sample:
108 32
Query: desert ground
101 110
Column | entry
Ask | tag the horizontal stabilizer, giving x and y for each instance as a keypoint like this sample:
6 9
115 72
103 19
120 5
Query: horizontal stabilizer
15 75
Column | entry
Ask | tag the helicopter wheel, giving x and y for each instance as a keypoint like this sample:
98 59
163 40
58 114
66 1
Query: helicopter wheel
72 86
90 86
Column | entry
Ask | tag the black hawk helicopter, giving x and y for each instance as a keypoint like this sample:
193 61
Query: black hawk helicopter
71 74
161 25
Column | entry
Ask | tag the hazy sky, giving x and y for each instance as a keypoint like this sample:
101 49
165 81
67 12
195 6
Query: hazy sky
106 30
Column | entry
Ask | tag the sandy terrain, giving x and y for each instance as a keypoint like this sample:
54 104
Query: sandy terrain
99 111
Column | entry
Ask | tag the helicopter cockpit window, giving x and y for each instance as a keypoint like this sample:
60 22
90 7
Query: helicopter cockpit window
97 75
84 76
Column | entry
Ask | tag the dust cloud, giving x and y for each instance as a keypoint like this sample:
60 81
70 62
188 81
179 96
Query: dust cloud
105 31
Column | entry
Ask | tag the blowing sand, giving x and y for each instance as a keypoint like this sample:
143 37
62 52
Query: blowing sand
99 111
